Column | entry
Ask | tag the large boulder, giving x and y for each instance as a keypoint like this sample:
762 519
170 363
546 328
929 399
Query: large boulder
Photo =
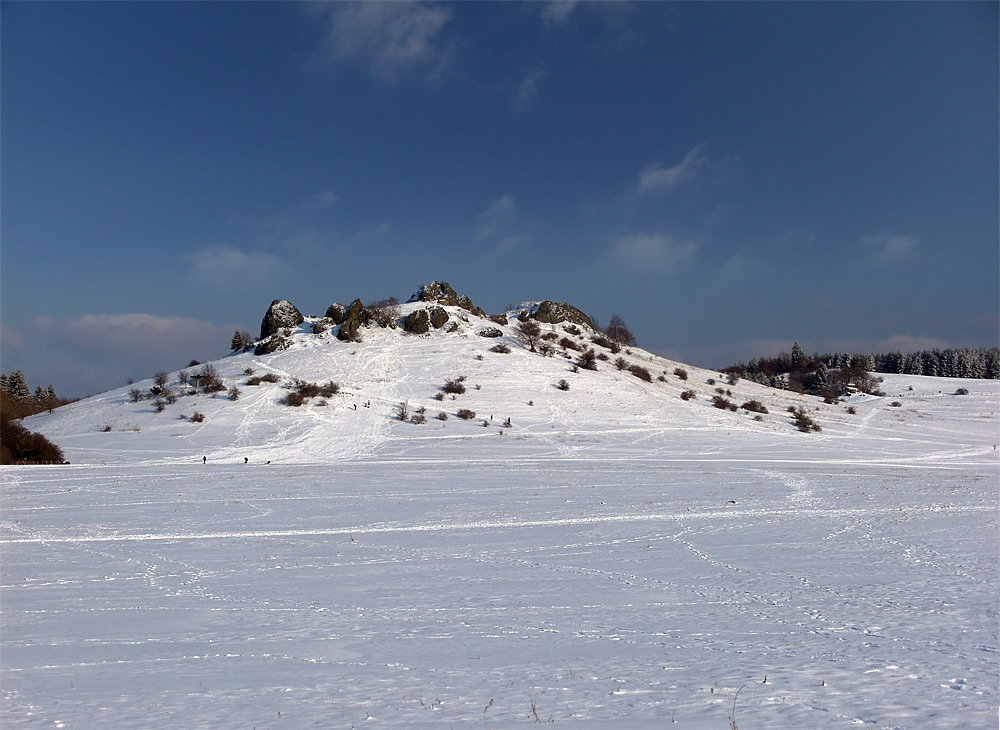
420 321
336 312
354 317
280 315
556 312
274 343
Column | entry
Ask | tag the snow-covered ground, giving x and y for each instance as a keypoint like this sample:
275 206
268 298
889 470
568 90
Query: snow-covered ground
616 557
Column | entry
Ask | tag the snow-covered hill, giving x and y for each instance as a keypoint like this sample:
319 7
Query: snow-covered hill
611 407
615 557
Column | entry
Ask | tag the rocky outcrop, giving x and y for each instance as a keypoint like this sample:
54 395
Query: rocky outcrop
442 293
354 317
280 315
274 343
556 312
417 322
336 312
490 332
322 324
420 321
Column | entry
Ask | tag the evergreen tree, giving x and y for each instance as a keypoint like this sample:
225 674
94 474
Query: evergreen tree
798 358
17 386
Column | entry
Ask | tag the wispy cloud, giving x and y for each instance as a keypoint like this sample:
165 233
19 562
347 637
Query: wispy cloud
527 88
320 201
391 38
652 252
889 248
656 177
227 264
501 213
558 11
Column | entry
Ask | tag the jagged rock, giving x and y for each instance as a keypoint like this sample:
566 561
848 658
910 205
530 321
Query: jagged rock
490 332
418 322
354 317
336 312
555 312
322 325
438 316
274 343
280 314
440 292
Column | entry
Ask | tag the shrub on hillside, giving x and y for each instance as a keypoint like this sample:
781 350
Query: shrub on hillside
454 387
962 391
755 406
197 417
719 402
641 373
802 420
567 344
500 347
681 373
688 395
465 414
587 360
563 384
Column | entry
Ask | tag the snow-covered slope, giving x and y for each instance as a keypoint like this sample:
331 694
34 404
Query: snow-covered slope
609 407
616 557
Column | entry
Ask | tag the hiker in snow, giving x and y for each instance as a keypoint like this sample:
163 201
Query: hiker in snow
204 460
246 460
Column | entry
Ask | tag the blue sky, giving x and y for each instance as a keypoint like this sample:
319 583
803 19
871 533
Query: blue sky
727 177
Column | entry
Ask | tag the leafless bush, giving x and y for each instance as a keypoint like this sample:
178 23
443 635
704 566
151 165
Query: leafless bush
755 406
465 414
234 393
500 347
563 384
567 344
641 373
587 360
401 410
803 421
719 402
681 373
197 417
442 416
688 395
454 387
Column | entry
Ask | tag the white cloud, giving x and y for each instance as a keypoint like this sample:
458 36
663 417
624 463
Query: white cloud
558 11
652 252
390 37
887 248
657 177
321 201
527 88
501 212
227 264
96 352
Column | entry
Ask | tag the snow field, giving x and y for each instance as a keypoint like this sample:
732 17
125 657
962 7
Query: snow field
617 558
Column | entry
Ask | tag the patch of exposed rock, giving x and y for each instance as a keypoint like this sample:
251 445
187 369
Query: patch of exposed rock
556 312
282 314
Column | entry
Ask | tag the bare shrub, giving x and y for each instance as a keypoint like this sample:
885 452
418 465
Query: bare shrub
621 363
270 378
852 410
401 410
159 405
465 414
419 418
383 312
293 398
641 373
329 389
755 406
802 420
681 373
719 402
135 395
528 333
500 347
962 391
439 396
455 386
688 395
234 393
567 344
197 417
442 416
563 385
